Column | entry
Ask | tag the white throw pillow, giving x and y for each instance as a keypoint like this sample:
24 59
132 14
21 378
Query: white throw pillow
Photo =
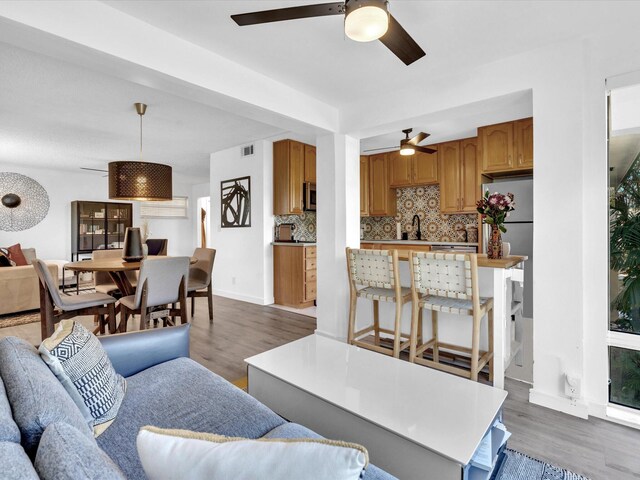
181 454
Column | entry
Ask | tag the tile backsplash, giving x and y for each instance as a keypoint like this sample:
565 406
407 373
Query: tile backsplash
425 202
305 225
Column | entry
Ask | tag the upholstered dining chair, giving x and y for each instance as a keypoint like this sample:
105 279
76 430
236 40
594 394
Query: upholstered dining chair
70 306
102 281
162 283
200 278
157 246
448 283
377 272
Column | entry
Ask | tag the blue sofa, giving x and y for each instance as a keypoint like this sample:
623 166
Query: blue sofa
164 388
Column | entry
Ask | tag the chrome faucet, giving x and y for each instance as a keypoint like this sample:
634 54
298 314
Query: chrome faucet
413 222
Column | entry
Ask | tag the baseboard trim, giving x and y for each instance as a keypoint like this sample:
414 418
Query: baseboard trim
561 404
242 298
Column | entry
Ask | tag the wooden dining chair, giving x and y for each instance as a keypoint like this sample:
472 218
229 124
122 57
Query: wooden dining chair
162 284
102 281
200 278
448 283
70 306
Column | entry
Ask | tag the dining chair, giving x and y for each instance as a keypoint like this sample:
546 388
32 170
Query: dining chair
70 306
102 281
200 278
157 246
376 271
162 284
448 283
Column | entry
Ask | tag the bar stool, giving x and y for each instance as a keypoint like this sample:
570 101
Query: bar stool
377 271
448 282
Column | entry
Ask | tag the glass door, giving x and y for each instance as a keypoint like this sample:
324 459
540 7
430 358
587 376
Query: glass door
118 219
91 233
624 247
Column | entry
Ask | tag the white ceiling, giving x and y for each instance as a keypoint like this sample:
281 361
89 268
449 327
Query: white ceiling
54 114
313 55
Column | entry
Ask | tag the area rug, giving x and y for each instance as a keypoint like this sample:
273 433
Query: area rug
21 318
518 466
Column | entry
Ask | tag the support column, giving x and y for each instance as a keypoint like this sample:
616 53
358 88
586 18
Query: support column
338 224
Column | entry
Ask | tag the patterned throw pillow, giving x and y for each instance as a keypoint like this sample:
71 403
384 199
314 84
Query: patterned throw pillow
77 359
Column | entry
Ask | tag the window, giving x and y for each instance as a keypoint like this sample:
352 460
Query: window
176 208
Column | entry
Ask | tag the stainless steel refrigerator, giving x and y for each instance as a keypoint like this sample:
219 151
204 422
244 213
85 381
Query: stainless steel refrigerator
519 234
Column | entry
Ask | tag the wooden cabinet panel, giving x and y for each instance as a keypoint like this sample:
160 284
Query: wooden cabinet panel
450 178
425 168
310 276
523 133
294 275
364 186
470 176
310 264
310 252
401 169
496 145
310 163
310 291
296 177
382 199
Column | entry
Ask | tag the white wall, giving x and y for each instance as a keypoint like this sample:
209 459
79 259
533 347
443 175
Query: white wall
52 237
244 258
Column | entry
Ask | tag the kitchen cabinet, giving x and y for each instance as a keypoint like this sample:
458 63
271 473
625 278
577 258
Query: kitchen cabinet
382 197
310 163
364 186
413 170
288 177
295 275
459 179
506 148
523 133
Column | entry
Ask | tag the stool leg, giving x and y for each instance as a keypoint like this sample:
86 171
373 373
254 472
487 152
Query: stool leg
396 333
434 327
420 329
490 324
352 317
475 346
416 317
376 322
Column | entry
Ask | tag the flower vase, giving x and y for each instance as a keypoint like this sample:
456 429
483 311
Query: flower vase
494 247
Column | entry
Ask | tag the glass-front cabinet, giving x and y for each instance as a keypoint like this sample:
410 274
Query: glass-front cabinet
98 226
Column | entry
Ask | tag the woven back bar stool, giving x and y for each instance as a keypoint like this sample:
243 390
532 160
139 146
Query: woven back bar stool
448 282
377 272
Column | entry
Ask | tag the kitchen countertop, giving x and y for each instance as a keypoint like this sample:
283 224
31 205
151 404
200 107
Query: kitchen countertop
295 244
422 242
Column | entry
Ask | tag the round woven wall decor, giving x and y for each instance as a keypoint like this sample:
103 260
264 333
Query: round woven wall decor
23 202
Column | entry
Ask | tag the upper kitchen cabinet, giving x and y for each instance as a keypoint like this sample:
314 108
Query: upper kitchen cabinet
382 197
523 132
310 163
364 186
288 177
459 179
413 170
506 148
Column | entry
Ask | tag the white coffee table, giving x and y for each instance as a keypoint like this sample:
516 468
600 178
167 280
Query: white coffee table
416 422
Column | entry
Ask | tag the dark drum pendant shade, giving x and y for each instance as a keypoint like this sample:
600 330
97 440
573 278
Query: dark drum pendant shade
133 180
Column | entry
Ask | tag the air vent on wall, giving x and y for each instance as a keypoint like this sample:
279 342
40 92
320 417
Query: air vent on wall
246 151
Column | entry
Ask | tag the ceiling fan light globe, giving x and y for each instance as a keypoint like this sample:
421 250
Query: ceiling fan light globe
407 150
366 24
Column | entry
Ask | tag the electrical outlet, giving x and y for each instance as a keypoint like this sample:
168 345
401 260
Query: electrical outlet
572 386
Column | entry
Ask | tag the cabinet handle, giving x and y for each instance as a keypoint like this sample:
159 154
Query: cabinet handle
461 203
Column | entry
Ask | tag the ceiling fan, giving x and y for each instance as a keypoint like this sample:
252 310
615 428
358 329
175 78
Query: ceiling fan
96 170
409 146
365 21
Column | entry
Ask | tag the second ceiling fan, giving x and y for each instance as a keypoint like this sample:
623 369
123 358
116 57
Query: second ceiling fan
409 146
365 21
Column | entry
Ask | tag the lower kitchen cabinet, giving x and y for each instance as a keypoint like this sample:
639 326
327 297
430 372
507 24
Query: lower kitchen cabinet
294 275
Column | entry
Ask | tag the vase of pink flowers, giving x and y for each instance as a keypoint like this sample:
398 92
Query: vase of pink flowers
494 209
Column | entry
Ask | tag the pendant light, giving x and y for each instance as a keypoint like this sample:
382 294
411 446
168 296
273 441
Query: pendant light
139 180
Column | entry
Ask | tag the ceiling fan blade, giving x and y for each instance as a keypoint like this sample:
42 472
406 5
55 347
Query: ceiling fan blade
418 138
400 43
290 13
382 148
94 169
424 149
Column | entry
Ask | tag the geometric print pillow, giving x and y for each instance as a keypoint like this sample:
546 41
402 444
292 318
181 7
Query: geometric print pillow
77 359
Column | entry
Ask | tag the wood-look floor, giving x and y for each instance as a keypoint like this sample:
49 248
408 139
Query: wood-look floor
598 449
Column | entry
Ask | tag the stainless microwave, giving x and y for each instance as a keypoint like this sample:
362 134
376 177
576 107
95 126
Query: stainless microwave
309 196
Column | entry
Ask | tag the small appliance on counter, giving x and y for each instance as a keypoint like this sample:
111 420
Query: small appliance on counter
284 232
310 196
